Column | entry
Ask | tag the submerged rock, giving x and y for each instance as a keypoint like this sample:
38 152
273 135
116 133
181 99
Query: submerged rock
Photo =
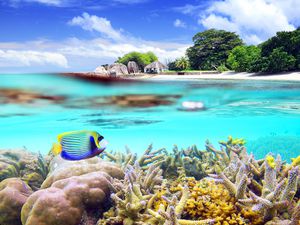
13 194
19 96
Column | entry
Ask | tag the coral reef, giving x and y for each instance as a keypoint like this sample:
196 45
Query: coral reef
13 194
69 201
31 167
181 187
149 157
61 169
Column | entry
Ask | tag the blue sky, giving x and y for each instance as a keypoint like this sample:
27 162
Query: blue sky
78 35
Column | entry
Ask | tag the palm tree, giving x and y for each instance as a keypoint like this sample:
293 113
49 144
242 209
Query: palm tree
182 63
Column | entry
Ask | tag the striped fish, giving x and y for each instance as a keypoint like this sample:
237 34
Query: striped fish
77 145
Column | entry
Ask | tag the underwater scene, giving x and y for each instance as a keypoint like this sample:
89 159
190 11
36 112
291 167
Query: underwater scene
81 152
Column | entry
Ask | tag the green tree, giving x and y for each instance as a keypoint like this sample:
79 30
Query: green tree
279 53
182 63
142 59
242 57
211 48
280 61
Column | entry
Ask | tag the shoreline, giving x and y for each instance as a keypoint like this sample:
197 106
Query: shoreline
291 76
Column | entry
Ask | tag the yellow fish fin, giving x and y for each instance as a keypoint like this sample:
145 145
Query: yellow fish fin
56 149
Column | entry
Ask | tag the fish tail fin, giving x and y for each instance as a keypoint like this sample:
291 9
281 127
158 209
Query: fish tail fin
56 149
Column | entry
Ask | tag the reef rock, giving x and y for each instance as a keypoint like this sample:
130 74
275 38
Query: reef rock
71 201
13 194
61 169
101 71
117 69
132 67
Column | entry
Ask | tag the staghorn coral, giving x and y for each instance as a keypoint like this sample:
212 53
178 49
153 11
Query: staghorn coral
145 160
132 194
30 167
13 194
265 193
187 162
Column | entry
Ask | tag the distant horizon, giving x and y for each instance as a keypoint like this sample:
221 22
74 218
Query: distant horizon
46 36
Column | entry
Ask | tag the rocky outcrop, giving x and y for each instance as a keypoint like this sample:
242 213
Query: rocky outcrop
117 69
100 70
132 67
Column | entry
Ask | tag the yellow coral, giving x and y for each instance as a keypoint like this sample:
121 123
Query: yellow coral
208 200
271 161
296 161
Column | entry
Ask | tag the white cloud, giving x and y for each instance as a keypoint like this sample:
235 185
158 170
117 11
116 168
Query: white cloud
15 58
58 3
95 23
179 23
75 54
130 1
254 20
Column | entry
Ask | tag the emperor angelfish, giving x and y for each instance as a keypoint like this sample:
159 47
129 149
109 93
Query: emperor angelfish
77 145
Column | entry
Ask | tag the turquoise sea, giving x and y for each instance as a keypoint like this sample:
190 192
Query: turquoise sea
266 114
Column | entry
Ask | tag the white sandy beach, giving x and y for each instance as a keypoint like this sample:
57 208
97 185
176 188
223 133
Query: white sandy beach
293 76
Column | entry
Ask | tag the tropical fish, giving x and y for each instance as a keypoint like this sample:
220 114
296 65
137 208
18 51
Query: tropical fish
77 145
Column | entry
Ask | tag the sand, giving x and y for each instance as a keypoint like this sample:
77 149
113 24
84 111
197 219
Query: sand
293 76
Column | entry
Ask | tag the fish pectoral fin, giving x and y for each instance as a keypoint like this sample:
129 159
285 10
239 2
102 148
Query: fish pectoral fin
56 149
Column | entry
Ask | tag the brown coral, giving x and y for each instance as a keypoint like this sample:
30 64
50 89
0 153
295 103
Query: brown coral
61 169
68 201
13 194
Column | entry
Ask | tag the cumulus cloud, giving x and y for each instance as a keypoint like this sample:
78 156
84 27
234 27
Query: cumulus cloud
179 23
254 20
58 3
95 23
84 55
14 58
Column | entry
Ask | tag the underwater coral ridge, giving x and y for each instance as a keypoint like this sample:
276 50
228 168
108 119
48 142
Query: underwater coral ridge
187 186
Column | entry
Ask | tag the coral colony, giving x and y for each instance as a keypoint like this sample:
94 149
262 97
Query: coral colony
182 187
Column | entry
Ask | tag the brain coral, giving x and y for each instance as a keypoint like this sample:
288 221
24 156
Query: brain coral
13 194
61 169
74 193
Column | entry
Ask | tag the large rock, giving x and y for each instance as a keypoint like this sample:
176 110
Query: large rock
117 69
132 67
100 70
13 194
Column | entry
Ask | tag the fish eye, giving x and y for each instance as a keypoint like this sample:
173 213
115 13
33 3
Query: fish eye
100 138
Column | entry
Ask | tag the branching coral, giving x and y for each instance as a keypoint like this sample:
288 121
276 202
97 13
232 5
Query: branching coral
265 193
149 157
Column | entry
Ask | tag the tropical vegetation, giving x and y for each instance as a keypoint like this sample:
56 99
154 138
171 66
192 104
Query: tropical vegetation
142 59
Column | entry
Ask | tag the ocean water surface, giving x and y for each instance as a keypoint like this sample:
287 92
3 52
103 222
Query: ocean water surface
34 108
